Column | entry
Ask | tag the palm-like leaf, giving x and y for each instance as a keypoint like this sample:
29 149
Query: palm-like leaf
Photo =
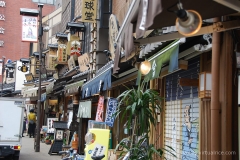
140 104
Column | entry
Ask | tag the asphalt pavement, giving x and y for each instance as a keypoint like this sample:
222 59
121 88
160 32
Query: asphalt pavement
27 152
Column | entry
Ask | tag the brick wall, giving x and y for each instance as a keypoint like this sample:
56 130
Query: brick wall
14 48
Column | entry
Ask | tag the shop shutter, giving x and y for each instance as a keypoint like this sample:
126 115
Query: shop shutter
181 116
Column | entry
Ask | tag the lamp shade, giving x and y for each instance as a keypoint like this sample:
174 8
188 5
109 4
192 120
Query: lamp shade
145 67
189 25
205 85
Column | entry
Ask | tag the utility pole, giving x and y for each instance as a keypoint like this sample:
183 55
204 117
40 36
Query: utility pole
40 34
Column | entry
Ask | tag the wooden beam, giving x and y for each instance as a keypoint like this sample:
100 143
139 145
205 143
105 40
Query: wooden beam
188 82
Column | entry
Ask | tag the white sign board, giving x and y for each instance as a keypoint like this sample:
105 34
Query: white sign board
50 124
20 77
29 28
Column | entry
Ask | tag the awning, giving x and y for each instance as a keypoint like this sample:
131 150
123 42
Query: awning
32 92
167 54
49 87
72 88
101 81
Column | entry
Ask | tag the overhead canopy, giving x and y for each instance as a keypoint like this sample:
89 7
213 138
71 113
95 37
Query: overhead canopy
49 87
72 88
167 54
99 83
32 92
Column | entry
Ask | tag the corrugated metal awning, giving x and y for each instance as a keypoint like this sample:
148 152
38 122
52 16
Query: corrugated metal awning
72 88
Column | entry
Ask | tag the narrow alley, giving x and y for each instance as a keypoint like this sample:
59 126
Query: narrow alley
28 153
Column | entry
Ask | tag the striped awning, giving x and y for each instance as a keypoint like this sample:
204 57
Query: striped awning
73 88
32 92
49 87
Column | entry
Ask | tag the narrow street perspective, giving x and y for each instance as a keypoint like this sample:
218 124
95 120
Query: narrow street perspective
28 153
120 79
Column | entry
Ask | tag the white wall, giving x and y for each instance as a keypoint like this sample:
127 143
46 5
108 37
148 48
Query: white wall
20 77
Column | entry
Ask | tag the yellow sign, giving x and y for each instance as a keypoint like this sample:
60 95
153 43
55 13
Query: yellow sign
89 11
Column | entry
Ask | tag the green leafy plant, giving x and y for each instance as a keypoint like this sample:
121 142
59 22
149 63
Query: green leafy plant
139 106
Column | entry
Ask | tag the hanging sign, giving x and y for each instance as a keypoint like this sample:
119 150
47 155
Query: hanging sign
71 63
111 109
84 110
62 54
75 48
99 115
83 61
113 33
89 11
10 75
29 29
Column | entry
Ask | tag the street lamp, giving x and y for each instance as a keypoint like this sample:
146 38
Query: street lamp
34 12
2 61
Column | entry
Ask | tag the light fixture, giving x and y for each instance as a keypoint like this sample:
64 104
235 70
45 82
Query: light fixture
24 67
145 67
205 85
188 22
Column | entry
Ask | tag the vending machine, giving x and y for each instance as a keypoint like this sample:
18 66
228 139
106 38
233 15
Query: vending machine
97 141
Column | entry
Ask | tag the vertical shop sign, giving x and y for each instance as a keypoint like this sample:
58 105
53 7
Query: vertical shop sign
99 115
89 11
29 29
62 53
71 63
50 128
83 62
111 109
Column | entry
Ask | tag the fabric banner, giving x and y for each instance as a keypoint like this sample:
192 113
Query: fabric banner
99 115
84 110
111 109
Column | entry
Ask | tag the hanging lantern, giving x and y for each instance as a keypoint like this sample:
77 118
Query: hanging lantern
145 67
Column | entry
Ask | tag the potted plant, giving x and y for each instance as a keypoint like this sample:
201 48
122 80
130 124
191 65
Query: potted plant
47 139
139 106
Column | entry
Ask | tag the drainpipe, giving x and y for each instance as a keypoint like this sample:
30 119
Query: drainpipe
215 105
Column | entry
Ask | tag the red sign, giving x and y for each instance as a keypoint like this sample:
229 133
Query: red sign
99 115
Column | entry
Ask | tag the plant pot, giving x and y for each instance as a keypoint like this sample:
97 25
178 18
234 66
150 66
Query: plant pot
47 141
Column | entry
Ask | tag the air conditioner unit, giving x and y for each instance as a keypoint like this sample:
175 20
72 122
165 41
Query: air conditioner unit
233 4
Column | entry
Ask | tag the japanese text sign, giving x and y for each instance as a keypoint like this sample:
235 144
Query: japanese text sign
111 109
99 115
29 28
89 10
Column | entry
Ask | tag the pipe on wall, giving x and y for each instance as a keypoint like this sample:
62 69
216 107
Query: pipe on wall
215 105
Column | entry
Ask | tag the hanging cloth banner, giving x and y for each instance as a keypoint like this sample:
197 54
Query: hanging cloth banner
111 109
99 115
